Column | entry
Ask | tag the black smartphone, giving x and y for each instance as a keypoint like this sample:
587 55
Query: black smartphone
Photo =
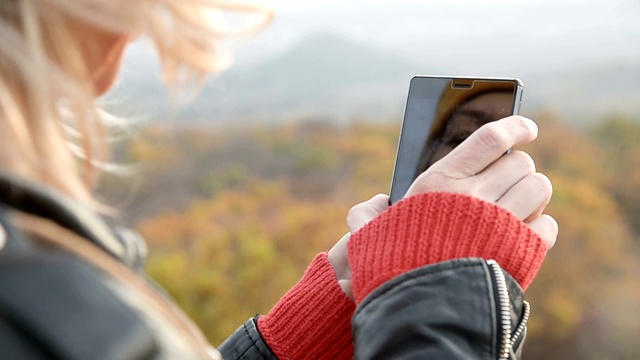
441 112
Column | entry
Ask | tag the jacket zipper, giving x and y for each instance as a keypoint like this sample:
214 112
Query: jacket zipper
504 309
523 323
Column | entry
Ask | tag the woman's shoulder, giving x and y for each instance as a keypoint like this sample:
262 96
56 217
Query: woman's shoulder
72 287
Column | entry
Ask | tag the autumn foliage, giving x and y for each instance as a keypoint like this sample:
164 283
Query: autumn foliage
233 218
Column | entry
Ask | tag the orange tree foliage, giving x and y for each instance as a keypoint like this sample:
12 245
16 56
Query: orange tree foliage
592 271
229 257
620 141
245 213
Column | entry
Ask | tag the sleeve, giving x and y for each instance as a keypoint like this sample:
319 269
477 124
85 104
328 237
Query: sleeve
311 321
246 343
448 310
422 281
434 227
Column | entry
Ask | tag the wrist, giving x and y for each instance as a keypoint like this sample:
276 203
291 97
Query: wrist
313 319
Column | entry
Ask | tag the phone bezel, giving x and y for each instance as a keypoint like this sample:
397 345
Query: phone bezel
517 99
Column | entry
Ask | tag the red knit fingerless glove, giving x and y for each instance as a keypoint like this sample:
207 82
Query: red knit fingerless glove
313 319
434 227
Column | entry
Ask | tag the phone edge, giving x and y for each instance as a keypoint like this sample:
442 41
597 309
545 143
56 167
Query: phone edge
515 111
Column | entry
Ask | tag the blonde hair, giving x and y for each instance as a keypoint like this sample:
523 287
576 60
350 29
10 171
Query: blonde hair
48 114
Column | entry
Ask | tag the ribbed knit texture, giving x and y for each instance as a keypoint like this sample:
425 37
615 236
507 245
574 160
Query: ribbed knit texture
434 227
313 319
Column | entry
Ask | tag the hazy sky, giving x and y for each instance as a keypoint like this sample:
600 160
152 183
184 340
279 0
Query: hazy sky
480 37
535 40
530 32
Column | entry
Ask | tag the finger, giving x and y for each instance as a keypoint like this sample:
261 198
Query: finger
346 287
338 258
486 145
494 181
528 196
547 228
340 263
362 213
542 206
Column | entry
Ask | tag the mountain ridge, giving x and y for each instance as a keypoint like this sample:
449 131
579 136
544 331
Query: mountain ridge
326 75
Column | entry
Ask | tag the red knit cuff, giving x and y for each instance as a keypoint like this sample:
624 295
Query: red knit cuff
434 227
313 319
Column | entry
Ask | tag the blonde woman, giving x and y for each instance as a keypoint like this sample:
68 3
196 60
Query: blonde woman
423 278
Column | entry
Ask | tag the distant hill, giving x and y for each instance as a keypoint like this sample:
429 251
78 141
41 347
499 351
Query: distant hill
587 94
322 76
331 77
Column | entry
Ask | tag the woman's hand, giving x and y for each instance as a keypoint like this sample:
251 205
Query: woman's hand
479 167
358 216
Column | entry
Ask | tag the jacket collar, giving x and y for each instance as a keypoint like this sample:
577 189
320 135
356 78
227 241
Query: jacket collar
38 200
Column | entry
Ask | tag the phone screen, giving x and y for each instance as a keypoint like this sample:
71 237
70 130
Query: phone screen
441 112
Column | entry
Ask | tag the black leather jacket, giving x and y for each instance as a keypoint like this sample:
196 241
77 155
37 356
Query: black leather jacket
54 305
459 309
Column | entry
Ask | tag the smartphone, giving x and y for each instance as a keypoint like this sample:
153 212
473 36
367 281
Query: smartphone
441 112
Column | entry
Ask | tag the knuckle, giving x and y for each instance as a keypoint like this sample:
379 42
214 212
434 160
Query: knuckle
493 136
525 161
355 210
434 181
475 189
365 211
380 201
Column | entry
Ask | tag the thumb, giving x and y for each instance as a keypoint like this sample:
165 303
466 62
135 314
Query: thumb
362 213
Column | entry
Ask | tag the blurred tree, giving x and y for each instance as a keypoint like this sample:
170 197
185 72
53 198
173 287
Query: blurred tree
577 295
229 257
620 139
252 209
